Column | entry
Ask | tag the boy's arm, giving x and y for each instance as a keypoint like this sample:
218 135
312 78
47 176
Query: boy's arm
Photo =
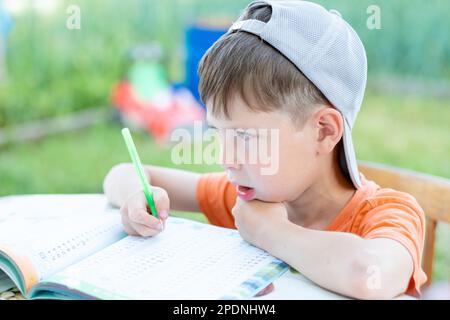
122 181
344 262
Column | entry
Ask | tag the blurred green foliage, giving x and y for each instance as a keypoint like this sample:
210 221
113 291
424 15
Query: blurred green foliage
53 70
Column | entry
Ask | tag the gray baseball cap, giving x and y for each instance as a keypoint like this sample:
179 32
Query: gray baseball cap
328 52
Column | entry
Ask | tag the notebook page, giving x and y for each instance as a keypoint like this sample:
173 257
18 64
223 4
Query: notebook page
54 231
188 260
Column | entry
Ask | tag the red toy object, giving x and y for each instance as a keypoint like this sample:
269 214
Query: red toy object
168 109
146 99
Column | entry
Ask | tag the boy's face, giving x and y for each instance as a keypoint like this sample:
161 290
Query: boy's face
265 155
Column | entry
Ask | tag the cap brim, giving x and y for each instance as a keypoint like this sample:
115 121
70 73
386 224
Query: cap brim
350 156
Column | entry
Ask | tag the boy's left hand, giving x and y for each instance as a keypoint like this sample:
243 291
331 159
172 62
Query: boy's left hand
255 219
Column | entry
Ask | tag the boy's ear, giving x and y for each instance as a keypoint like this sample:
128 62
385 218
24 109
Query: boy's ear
330 127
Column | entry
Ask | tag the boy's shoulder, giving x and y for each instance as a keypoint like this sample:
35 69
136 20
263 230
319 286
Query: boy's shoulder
373 207
376 197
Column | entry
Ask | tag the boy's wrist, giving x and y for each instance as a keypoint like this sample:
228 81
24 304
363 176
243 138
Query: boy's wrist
278 235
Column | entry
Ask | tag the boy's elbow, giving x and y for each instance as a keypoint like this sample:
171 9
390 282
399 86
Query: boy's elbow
366 278
361 290
112 177
109 177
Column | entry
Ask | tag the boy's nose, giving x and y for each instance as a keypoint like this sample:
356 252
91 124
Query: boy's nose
228 155
229 161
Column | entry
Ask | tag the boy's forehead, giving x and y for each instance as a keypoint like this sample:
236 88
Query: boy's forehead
241 115
246 119
219 121
236 112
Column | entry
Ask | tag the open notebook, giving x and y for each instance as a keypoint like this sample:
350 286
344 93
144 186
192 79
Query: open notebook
74 247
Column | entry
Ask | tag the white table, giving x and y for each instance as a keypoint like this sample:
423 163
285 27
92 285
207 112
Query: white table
294 286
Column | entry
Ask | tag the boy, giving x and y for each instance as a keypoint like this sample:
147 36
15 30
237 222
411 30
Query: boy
296 69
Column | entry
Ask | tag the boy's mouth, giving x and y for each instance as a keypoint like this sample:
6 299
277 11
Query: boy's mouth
245 193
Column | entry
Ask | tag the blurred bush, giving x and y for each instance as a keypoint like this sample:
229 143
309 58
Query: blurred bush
53 70
413 39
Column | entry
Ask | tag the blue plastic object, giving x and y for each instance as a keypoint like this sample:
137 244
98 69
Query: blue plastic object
198 40
6 22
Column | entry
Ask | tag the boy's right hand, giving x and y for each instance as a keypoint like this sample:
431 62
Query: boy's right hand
136 216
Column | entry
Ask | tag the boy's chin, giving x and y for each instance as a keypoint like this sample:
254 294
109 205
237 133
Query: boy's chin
265 198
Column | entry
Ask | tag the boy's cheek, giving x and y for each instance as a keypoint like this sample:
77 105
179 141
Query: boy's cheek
284 185
274 190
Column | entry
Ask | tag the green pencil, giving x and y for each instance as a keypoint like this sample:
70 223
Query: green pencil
140 171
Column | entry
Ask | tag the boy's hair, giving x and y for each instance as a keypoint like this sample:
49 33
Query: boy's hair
242 64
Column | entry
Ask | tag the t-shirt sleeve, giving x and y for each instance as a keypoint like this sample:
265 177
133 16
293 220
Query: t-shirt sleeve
398 216
216 197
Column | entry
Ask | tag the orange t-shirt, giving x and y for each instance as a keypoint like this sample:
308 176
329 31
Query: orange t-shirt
373 212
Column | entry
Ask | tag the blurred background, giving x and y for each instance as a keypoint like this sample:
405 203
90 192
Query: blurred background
73 72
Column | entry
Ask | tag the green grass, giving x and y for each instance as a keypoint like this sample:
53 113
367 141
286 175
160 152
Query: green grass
401 131
408 132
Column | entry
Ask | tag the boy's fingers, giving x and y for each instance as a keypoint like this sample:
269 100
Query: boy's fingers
138 221
144 218
136 229
162 202
127 227
163 214
144 230
137 202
